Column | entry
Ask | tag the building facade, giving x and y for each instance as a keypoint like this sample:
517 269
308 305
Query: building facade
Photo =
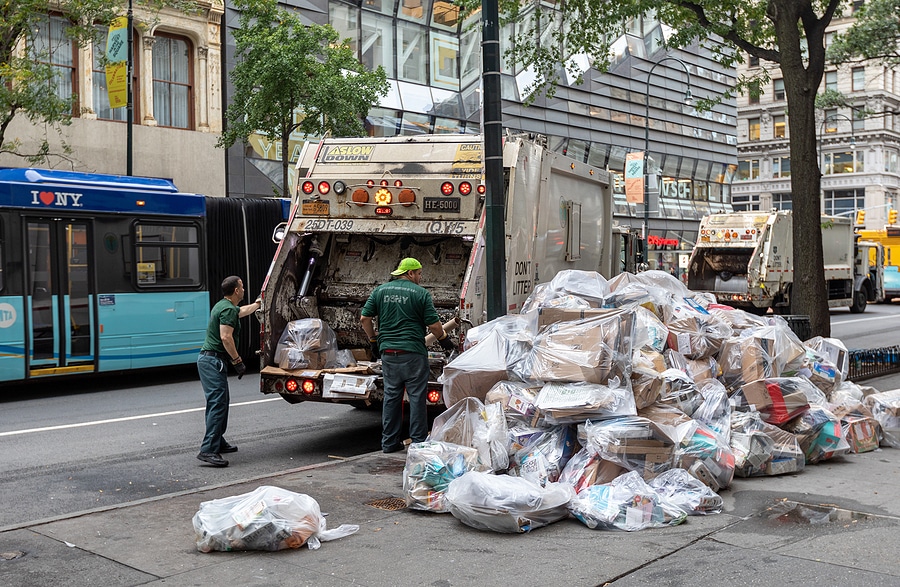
432 55
177 112
859 144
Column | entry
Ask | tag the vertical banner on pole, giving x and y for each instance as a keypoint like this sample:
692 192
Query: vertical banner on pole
117 63
634 177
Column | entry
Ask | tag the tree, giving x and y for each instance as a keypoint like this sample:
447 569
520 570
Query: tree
27 80
284 66
787 33
873 36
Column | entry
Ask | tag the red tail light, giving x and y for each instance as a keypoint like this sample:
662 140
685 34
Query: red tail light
307 187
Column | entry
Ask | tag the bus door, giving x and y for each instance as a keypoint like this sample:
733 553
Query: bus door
59 294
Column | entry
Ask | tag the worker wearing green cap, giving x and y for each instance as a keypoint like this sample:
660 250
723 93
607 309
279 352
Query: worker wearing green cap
404 310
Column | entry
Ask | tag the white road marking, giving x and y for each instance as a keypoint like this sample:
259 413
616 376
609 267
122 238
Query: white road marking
855 320
129 418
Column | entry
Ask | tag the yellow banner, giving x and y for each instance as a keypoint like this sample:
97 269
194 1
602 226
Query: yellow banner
117 66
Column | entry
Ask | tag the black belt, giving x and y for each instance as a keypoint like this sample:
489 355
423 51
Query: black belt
223 356
394 352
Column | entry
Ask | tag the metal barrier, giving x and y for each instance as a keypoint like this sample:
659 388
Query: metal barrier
869 363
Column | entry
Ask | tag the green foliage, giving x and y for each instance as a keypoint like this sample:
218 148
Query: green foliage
283 66
873 36
26 84
830 99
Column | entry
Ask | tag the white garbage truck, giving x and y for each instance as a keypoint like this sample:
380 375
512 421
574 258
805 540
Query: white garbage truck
746 260
363 204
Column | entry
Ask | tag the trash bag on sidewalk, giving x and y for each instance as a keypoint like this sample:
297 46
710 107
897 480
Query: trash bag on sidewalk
430 467
627 503
267 518
506 504
687 492
469 422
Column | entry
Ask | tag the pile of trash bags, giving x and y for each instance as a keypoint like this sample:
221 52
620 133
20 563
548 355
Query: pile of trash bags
630 404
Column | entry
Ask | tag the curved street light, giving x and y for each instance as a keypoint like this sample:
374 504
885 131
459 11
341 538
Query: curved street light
688 99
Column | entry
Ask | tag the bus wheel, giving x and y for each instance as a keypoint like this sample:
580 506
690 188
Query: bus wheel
859 302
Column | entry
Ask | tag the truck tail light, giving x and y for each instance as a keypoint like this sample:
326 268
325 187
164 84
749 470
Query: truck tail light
360 196
406 197
340 187
481 189
291 385
324 187
309 386
434 396
383 197
465 188
307 187
384 210
446 188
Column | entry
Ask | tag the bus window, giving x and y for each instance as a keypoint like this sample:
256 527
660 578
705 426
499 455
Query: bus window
167 255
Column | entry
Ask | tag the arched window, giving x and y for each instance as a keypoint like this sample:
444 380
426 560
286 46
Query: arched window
173 79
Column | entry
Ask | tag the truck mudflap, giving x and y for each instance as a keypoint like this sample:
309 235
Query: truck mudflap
309 385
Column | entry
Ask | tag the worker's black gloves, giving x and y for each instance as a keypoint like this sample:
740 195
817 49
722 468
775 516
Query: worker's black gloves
446 343
373 348
239 367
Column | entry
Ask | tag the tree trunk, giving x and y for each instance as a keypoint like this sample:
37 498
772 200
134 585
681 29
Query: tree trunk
809 294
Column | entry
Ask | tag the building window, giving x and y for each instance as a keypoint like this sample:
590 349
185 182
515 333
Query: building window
748 169
52 47
98 80
843 162
779 127
829 123
745 203
891 162
753 61
172 82
754 92
782 201
831 81
857 123
859 79
753 129
781 167
376 47
779 89
412 52
844 201
857 5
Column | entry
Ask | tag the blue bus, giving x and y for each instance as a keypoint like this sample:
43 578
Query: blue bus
102 273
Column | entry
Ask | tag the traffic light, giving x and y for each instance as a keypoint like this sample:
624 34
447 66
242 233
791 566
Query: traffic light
860 216
892 216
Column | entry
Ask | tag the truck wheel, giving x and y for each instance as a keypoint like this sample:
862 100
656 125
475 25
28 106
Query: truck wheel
859 302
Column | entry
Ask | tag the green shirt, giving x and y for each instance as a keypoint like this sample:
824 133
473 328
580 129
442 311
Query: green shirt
404 310
224 312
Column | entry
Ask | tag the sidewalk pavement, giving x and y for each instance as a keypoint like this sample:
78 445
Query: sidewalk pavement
151 542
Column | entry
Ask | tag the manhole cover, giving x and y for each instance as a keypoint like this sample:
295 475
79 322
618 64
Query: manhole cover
388 503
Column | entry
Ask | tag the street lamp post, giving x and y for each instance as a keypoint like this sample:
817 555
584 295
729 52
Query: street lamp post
687 100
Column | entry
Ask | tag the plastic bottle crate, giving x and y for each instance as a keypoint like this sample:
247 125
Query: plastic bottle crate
799 325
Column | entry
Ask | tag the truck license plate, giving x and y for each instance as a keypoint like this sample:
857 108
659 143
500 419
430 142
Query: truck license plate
315 208
442 205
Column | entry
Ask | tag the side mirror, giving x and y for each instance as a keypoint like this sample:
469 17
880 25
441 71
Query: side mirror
279 232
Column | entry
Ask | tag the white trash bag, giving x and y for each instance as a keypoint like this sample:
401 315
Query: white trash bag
267 518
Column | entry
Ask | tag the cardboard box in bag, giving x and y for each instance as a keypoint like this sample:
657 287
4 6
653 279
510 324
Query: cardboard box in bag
861 433
777 405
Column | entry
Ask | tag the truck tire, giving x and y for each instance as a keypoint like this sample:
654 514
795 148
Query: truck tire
859 302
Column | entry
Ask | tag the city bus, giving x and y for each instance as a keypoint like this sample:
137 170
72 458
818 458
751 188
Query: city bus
889 237
102 273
